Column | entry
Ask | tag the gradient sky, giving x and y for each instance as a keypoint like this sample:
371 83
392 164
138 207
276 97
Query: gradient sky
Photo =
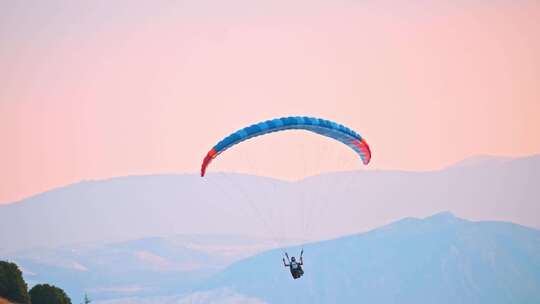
97 89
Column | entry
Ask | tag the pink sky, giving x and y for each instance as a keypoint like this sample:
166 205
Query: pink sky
96 90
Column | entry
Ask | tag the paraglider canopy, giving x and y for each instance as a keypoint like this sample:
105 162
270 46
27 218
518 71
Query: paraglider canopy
316 125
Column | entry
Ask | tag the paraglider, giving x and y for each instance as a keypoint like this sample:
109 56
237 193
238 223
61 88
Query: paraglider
319 126
316 125
294 266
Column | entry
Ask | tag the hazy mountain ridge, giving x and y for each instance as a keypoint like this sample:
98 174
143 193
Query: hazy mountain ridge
115 222
142 206
142 267
125 208
439 259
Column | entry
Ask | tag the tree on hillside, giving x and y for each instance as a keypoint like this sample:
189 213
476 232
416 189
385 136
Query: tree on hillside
48 294
12 285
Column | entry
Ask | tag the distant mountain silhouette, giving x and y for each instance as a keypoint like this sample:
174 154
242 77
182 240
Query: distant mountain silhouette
438 259
340 203
143 267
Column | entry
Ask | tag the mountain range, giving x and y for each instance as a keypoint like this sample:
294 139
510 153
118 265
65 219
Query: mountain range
318 207
184 239
438 259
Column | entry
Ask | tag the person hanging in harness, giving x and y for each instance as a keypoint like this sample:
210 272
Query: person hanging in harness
294 266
